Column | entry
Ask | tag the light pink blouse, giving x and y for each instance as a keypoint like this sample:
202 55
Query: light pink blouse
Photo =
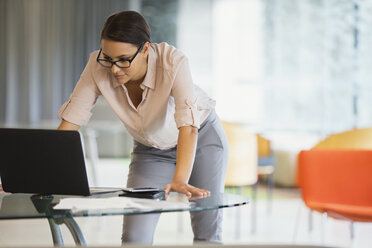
170 100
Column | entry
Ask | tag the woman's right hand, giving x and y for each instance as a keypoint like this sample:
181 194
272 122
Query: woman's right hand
186 189
1 188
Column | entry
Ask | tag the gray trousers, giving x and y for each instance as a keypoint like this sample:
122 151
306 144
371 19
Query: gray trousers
152 167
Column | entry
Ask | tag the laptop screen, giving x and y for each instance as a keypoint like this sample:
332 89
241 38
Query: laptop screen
42 162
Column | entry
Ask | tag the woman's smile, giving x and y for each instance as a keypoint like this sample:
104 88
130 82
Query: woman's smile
119 76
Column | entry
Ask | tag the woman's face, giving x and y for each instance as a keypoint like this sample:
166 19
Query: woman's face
114 51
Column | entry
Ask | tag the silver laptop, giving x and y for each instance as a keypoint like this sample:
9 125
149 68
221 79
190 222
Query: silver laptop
44 162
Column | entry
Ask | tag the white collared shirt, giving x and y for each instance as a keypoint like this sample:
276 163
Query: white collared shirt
170 100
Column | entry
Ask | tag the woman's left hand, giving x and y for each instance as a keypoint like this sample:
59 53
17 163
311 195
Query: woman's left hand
186 189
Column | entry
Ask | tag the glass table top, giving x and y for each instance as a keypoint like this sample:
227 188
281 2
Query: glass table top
22 206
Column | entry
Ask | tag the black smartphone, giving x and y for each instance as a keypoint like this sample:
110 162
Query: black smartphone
139 190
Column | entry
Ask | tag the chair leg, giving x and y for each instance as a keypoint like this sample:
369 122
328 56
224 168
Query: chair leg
270 190
254 205
297 224
237 223
352 230
239 190
238 217
324 227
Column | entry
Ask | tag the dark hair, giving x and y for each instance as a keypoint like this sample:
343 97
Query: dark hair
127 26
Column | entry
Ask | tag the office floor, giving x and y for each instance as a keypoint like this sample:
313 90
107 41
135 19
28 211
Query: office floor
287 223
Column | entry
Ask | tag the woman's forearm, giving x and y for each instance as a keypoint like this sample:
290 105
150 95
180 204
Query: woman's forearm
186 147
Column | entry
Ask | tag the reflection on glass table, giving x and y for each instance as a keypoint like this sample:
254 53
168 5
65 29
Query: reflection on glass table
26 206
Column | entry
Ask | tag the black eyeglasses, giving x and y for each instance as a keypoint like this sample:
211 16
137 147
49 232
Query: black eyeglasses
121 63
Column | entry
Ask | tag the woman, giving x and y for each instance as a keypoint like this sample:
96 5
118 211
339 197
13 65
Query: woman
179 143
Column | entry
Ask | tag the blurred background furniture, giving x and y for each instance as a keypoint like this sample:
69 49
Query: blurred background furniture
285 147
335 177
243 161
352 139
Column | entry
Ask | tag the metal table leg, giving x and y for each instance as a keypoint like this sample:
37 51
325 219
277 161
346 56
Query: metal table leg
56 232
75 231
72 226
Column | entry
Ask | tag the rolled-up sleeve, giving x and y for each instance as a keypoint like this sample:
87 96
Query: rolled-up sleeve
186 110
77 109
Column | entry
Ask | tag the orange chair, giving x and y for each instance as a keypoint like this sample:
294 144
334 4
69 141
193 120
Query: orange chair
335 176
356 139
